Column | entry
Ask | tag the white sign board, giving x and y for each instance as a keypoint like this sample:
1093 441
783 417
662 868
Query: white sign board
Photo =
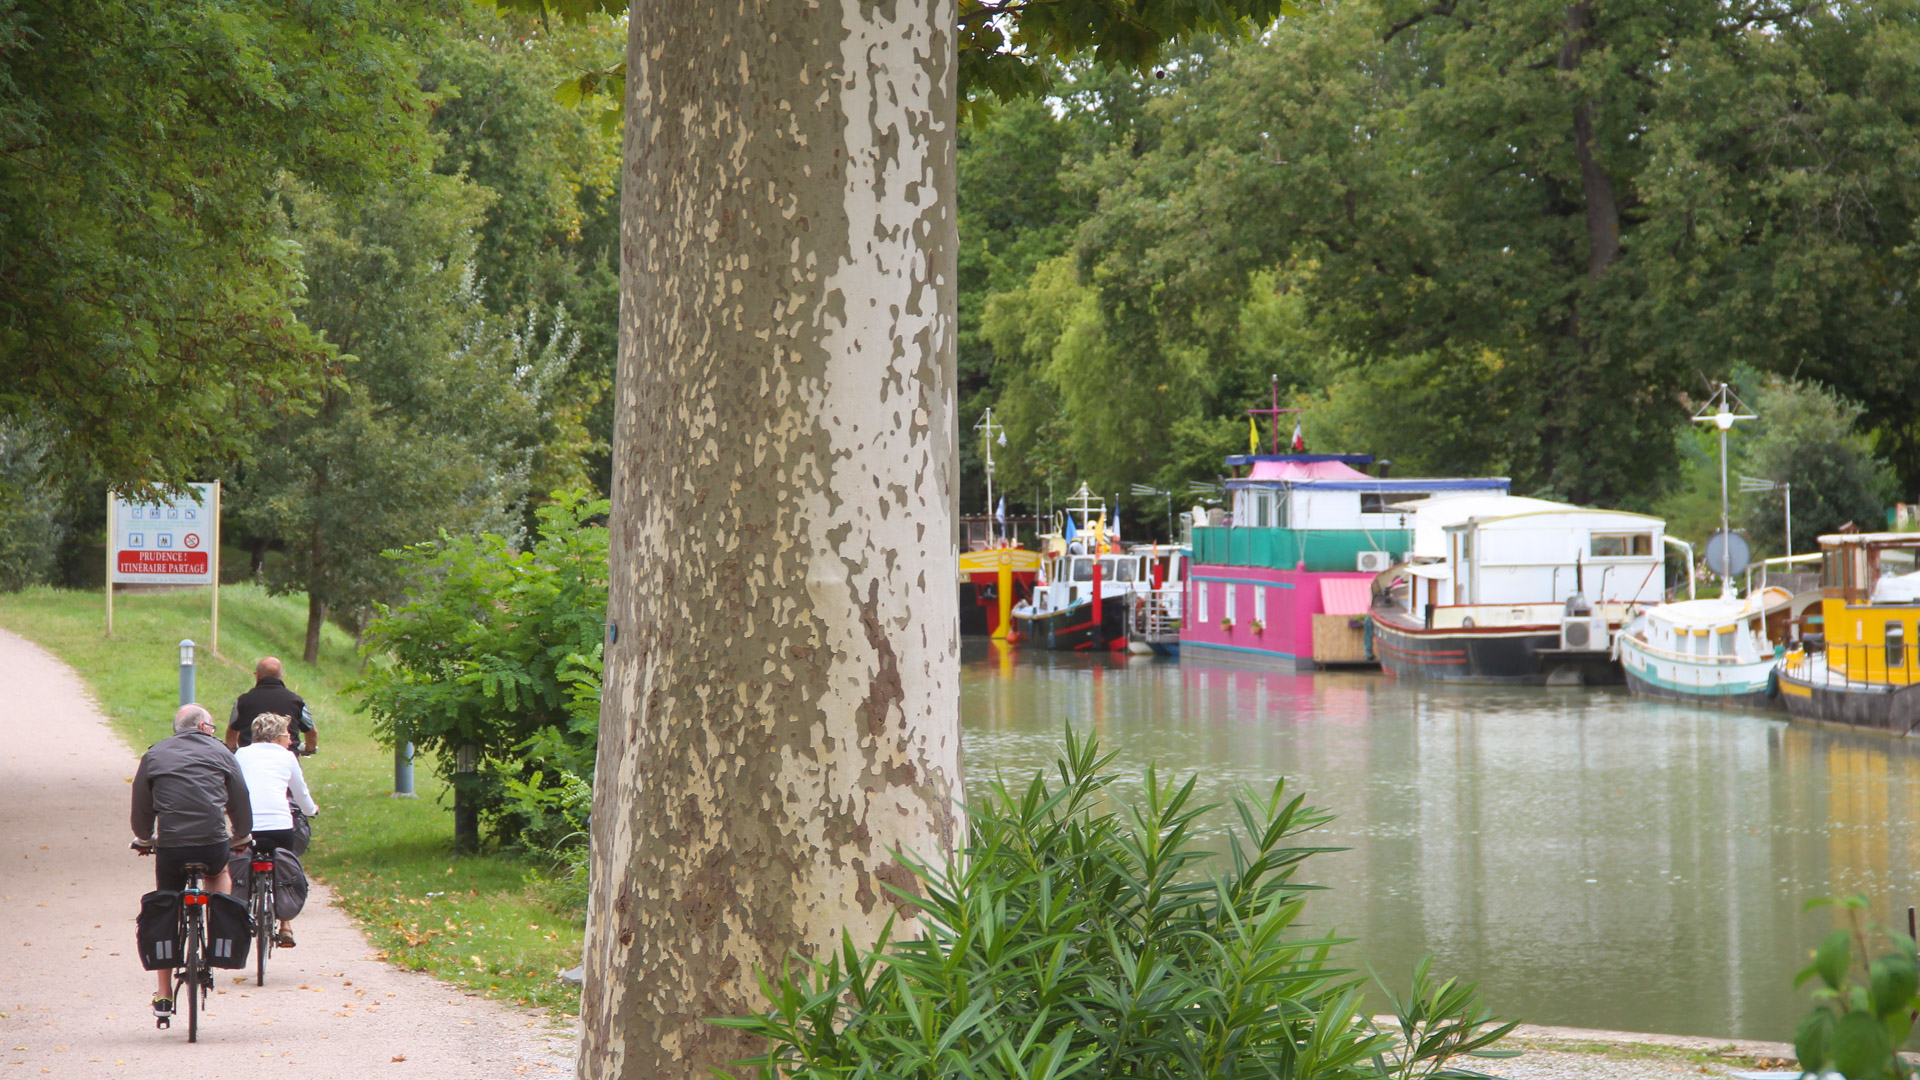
165 541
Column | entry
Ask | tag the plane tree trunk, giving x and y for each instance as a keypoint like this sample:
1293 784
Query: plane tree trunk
781 703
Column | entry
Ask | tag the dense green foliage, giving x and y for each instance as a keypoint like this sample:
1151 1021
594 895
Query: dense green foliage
1807 437
148 289
1073 940
353 259
497 651
1864 1005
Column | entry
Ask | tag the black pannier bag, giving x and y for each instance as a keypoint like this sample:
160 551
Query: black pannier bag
160 930
289 885
229 931
302 836
289 882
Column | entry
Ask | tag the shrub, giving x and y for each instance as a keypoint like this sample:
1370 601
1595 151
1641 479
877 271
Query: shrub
1858 1024
499 652
1071 940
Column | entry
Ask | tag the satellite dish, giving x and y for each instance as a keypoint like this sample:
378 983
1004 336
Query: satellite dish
1728 554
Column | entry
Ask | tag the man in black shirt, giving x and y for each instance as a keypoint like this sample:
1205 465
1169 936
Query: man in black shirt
270 695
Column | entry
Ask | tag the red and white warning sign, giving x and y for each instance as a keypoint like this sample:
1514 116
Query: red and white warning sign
154 540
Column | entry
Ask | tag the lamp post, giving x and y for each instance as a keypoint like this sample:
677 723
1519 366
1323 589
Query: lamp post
186 671
1752 484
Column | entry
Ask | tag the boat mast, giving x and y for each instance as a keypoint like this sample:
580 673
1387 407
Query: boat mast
1722 417
987 427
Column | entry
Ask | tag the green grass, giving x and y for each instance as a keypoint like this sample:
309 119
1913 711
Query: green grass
471 920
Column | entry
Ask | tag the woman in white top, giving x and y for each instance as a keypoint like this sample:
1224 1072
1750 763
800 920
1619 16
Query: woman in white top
274 781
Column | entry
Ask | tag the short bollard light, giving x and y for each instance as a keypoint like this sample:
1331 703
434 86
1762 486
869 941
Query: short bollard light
403 771
186 671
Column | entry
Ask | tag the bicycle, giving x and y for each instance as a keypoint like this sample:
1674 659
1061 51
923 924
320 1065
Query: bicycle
260 909
193 974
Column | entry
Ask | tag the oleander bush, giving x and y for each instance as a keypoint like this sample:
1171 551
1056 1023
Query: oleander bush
1073 939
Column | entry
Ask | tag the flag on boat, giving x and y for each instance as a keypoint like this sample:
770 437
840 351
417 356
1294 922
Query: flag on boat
1253 436
1299 443
1000 513
1069 532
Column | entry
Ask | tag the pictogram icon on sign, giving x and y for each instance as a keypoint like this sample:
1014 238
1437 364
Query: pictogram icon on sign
192 540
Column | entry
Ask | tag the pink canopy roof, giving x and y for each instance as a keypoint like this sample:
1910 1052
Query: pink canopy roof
1305 470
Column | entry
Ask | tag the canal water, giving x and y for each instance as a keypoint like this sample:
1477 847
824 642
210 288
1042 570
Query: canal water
1589 858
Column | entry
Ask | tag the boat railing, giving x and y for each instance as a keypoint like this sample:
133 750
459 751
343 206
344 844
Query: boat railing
1153 615
1861 666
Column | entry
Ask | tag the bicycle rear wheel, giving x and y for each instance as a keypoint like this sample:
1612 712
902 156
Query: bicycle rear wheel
260 895
196 963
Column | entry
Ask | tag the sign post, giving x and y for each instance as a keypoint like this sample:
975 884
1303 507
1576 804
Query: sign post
167 541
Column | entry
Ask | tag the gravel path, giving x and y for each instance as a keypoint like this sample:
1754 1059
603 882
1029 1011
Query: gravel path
73 998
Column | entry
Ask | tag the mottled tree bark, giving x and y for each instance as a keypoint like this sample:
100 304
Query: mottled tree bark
781 702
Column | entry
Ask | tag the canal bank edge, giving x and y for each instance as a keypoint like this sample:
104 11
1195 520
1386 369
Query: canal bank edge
1551 1052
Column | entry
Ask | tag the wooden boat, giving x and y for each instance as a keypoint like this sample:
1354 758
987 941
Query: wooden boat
1087 580
985 575
1861 671
1720 651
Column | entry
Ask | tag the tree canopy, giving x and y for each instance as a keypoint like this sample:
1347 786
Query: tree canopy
149 294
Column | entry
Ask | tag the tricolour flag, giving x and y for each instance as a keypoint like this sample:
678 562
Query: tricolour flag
1299 443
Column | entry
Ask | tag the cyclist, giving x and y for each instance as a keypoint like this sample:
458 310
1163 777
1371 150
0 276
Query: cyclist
273 776
270 695
191 786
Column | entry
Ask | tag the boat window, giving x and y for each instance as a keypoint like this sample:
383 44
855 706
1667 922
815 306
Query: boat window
1280 499
1896 645
1699 644
1083 569
1226 608
1119 569
1830 570
1259 605
1725 642
1621 545
1373 502
1262 510
1200 598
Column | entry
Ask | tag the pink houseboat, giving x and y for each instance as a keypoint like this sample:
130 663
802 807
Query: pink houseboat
1283 576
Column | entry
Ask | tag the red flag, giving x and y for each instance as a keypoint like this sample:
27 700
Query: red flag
1299 444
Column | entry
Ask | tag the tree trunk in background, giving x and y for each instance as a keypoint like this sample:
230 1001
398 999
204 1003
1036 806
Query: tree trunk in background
781 698
316 618
1603 210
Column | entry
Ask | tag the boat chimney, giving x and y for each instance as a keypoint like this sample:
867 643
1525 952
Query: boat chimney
1383 467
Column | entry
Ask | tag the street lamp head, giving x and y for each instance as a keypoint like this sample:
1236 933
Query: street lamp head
186 652
1723 420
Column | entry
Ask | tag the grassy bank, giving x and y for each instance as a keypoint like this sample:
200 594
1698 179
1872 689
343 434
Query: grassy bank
467 919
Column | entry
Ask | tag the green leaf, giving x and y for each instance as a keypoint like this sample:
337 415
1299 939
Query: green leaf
1862 1049
1834 957
1893 982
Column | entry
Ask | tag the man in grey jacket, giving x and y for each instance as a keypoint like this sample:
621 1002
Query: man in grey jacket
191 786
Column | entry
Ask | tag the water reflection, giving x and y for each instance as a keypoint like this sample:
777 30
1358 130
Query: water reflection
1590 858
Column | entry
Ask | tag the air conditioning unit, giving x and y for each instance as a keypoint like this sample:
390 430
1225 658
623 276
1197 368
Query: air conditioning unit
1584 633
1373 562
